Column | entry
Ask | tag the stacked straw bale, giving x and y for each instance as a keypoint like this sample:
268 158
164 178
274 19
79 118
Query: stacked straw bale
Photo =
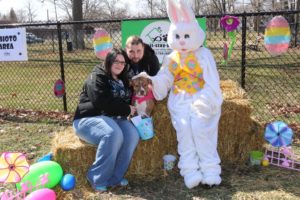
238 135
238 132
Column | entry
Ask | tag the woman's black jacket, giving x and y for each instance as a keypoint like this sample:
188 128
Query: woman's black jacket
97 98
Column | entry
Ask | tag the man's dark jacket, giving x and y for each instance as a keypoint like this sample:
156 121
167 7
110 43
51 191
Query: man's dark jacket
149 63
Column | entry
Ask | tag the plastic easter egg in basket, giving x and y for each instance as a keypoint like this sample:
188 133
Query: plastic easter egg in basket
102 43
59 88
277 36
265 162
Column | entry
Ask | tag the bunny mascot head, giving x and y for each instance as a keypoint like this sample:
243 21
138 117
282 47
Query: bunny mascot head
184 35
190 77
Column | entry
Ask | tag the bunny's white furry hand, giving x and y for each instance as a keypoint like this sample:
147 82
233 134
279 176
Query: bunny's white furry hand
142 74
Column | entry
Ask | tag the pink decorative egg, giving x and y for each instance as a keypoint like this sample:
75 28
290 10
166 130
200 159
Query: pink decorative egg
43 194
102 43
59 88
277 36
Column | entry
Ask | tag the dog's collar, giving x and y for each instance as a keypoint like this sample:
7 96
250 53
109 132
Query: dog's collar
144 98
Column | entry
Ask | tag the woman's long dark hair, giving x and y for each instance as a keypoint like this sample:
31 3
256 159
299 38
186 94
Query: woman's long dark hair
110 59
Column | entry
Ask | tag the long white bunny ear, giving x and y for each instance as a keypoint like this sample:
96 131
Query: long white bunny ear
172 11
186 11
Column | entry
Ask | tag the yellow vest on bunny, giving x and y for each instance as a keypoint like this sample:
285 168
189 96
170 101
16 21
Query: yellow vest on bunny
189 77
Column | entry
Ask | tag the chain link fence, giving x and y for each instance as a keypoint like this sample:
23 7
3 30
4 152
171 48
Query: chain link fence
271 82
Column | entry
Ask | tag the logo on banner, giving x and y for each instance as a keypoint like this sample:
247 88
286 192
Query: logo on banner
155 34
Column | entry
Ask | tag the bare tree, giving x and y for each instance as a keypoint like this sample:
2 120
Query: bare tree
91 9
31 11
94 9
74 11
22 15
257 6
78 34
196 7
155 8
113 9
64 5
162 8
151 5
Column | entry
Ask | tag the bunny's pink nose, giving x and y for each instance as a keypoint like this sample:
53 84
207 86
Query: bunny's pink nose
182 43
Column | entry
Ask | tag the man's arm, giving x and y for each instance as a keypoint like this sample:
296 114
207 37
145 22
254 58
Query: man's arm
154 65
151 61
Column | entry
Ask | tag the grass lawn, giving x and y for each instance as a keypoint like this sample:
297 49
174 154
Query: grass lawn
239 182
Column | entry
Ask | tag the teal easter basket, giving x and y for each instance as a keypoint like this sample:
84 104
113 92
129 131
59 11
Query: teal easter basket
145 128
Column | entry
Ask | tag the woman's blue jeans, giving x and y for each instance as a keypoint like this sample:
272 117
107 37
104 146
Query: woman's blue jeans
116 140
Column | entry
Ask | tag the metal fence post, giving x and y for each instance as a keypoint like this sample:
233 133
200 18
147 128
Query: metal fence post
296 29
61 59
243 69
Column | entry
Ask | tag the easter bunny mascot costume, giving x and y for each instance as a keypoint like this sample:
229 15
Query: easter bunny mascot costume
195 98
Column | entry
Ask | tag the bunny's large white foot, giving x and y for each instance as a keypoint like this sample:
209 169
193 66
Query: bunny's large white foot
192 179
211 180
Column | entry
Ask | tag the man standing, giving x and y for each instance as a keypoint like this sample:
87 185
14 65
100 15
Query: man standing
140 57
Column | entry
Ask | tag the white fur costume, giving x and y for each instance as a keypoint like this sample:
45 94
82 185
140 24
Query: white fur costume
195 119
194 116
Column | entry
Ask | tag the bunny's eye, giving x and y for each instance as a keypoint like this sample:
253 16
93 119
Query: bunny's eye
177 36
186 36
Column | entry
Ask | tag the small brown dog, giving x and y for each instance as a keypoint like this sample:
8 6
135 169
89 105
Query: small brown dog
142 98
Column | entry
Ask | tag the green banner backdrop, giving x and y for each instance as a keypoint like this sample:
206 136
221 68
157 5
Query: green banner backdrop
153 32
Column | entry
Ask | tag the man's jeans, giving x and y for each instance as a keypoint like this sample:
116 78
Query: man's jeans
116 140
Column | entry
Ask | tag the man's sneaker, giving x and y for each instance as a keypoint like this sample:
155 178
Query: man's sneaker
124 182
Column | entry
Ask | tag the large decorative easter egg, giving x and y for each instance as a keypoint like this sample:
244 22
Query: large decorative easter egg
59 88
67 182
102 43
277 36
37 170
42 194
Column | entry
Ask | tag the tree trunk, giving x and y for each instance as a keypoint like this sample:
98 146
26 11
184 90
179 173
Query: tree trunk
78 32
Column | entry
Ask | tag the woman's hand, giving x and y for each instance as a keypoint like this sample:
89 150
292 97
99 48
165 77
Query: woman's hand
132 110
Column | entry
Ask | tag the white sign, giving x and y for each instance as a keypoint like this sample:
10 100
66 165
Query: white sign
155 34
13 45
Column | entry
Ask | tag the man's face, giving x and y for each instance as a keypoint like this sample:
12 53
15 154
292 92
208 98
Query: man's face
135 52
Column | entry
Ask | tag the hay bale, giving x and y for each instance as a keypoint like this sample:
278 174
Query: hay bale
238 132
147 159
73 154
238 135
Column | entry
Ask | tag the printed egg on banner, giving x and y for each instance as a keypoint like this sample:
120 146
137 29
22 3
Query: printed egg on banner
102 43
277 36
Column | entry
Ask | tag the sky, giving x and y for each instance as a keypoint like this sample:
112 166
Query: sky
37 5
41 8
